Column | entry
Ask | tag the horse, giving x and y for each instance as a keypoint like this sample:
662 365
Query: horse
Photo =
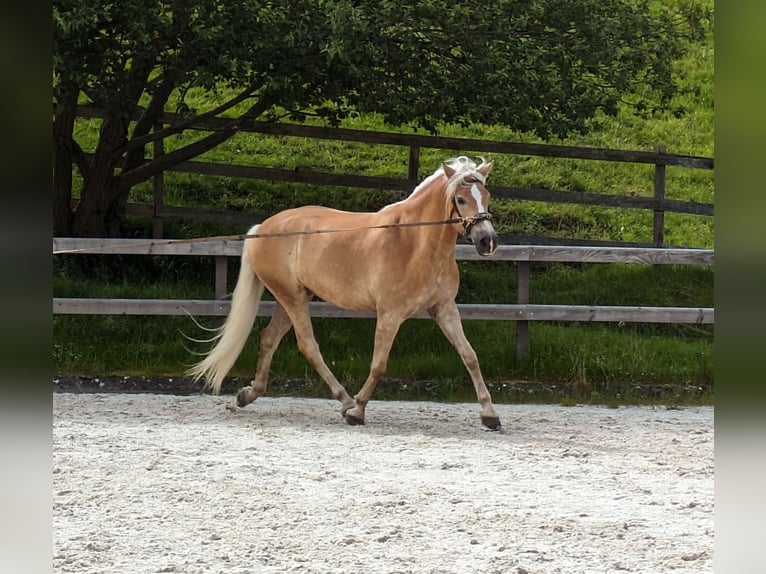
396 262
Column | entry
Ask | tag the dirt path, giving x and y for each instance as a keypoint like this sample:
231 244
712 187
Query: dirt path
159 483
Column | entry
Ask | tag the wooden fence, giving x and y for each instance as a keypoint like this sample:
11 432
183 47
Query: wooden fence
522 312
659 204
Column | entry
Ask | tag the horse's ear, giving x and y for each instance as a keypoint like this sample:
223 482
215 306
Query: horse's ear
485 168
448 171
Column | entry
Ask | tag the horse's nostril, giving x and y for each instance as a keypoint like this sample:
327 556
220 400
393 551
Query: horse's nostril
486 244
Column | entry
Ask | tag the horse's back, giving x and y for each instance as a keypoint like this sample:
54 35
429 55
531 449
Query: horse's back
320 249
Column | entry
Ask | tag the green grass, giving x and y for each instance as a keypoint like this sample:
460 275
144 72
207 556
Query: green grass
605 363
592 361
595 358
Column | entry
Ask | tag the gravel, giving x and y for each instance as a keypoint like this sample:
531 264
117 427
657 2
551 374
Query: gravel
167 483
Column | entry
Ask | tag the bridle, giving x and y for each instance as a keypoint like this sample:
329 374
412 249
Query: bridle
468 222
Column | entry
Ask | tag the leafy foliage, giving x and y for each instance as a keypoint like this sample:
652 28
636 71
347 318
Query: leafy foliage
545 67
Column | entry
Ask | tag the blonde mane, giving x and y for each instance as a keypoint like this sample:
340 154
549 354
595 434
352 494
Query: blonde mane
462 165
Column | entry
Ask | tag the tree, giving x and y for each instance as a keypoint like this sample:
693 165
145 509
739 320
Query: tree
545 66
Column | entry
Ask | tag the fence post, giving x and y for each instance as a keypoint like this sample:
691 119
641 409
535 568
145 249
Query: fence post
659 197
522 298
221 272
158 190
414 163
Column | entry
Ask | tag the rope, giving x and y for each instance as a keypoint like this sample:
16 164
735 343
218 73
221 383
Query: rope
462 220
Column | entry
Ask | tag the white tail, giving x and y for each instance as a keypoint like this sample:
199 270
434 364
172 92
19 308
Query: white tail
230 340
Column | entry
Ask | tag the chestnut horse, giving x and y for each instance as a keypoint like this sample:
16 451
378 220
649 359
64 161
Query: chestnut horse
384 262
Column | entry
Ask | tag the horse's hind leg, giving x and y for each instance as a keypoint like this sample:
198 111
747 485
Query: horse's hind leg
447 317
270 338
304 333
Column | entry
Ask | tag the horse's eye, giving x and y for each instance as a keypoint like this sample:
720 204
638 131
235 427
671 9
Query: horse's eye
461 201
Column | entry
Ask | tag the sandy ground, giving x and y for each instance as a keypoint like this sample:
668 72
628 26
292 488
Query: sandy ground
159 483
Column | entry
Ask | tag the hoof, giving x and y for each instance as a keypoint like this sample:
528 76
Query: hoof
352 420
242 397
492 423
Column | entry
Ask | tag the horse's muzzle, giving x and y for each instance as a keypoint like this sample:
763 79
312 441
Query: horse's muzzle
485 241
479 232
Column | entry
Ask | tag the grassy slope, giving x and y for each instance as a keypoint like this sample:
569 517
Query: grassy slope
596 359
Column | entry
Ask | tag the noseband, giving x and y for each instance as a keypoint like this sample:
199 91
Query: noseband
469 222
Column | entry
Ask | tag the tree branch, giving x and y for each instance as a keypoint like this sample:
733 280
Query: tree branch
147 121
178 128
80 159
154 166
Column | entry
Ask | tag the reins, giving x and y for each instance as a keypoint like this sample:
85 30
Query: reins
467 223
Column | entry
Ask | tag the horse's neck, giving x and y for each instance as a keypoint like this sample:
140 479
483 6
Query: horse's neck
430 205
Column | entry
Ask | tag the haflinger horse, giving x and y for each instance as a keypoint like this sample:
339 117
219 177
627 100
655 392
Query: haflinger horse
396 262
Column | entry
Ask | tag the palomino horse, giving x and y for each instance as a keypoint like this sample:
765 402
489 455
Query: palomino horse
383 262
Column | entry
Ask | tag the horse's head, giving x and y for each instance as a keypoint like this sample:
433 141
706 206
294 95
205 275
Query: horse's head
470 199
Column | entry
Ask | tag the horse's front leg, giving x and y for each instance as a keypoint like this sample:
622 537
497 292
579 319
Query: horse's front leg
447 317
386 329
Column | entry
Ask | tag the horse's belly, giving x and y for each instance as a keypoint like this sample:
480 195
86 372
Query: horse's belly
342 291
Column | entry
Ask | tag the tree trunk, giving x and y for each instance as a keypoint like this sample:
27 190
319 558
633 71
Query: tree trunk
63 128
98 212
96 215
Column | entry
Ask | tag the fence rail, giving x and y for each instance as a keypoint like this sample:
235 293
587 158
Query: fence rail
428 141
473 311
522 312
561 254
170 123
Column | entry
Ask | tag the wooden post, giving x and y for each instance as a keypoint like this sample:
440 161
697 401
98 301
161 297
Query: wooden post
522 327
414 163
659 197
158 190
221 272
